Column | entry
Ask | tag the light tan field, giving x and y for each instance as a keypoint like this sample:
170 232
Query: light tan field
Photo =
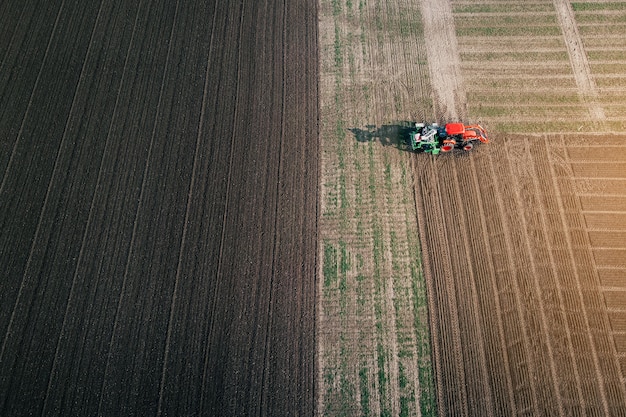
517 249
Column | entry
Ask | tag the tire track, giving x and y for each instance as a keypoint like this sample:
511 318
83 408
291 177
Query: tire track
540 166
81 80
451 238
449 103
276 238
503 406
183 247
433 316
452 395
482 395
517 167
54 250
52 177
8 41
525 402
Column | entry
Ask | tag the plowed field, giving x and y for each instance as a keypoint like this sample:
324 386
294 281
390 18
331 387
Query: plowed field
523 321
158 207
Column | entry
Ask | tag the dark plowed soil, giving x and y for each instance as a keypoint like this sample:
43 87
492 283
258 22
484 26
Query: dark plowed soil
158 205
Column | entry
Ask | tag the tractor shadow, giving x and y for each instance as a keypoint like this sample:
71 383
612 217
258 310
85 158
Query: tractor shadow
396 135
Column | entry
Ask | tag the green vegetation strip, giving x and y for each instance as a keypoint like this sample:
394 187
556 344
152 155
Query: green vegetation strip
376 358
597 6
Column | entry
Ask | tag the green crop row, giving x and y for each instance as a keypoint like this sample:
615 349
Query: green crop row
489 31
503 8
597 6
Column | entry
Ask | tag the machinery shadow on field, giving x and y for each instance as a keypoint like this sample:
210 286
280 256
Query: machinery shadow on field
396 135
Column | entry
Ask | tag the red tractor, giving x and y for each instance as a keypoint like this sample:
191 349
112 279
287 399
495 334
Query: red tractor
432 138
463 136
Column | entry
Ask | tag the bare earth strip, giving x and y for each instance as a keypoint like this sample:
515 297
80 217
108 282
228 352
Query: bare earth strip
443 59
578 58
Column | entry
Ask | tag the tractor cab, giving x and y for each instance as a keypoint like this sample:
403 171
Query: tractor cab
454 129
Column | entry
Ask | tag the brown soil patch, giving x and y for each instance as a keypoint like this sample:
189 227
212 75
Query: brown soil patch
521 320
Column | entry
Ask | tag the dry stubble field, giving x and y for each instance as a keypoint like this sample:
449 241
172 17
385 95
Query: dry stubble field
522 242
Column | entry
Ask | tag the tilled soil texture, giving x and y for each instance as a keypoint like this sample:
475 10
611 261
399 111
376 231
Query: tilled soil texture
519 292
598 173
158 207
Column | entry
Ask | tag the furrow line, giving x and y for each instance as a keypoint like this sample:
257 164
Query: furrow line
540 165
30 103
524 403
135 223
214 297
483 392
75 275
494 293
433 305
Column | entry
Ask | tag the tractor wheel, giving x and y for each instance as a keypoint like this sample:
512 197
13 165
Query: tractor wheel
447 147
468 146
